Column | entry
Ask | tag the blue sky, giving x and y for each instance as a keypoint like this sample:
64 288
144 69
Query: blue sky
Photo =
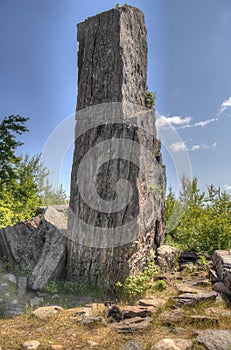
189 67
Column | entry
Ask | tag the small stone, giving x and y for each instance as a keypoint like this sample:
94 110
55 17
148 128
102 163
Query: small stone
132 346
56 347
179 331
46 311
36 301
9 278
92 343
173 344
31 345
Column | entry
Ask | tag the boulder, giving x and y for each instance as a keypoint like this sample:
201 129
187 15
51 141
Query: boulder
190 299
38 245
222 264
166 256
213 339
9 278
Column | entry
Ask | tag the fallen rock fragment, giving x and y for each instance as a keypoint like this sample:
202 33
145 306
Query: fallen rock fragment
47 311
31 345
171 317
139 311
190 299
213 339
131 325
173 344
89 320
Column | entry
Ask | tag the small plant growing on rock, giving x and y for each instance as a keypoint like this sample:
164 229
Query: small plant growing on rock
150 99
136 286
117 6
160 285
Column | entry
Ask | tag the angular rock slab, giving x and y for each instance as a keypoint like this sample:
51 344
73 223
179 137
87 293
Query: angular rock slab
171 317
131 325
52 260
21 245
190 299
156 303
222 263
139 311
213 339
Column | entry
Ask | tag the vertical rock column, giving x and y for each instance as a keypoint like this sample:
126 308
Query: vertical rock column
118 180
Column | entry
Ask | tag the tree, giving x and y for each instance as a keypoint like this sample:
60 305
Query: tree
23 180
206 221
9 127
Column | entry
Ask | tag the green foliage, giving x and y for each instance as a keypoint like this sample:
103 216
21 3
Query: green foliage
150 99
135 286
160 285
117 5
206 219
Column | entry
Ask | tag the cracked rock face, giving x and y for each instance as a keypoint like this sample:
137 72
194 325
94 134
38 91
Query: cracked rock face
117 202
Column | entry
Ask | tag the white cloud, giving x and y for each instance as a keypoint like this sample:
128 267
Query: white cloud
165 122
225 104
227 187
203 123
178 147
195 148
203 146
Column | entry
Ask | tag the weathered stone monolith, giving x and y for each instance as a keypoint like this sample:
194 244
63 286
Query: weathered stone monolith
118 180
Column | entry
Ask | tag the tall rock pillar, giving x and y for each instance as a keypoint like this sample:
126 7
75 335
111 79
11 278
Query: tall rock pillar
118 180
